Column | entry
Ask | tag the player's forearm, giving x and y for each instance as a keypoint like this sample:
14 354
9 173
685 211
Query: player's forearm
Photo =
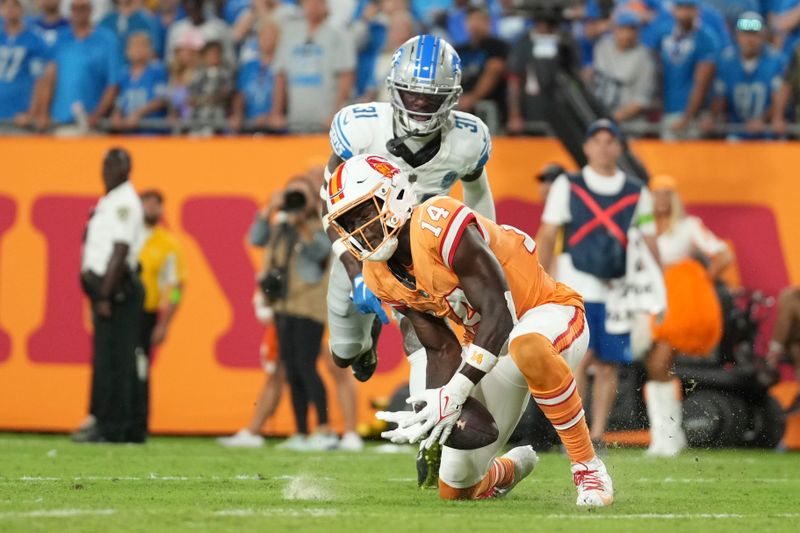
478 196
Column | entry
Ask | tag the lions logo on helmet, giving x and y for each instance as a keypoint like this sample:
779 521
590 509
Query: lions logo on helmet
369 200
425 83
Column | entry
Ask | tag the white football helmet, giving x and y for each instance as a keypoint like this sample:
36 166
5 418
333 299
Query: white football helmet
364 191
425 83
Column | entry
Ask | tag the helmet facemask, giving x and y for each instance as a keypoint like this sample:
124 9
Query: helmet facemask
422 110
357 225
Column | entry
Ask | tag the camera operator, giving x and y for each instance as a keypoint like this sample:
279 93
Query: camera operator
294 283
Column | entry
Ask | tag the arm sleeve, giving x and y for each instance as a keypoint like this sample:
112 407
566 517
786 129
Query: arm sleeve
556 208
478 196
125 224
260 231
643 216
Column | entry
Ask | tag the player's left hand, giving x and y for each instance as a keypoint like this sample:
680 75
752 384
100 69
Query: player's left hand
438 416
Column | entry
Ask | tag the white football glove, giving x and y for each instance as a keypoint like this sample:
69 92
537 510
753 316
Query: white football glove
441 411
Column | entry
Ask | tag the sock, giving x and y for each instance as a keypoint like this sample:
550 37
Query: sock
553 387
500 474
418 374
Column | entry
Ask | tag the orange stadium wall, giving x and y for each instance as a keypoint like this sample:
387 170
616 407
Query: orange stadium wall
206 376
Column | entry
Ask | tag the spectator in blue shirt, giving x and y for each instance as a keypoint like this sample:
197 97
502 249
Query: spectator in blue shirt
688 56
787 24
142 87
126 19
83 78
748 78
169 11
659 20
22 58
370 31
253 99
50 25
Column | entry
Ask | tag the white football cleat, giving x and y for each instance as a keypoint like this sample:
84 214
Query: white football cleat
295 443
525 459
242 439
320 442
351 442
593 483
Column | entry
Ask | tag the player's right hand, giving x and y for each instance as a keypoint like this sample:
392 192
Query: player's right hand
365 301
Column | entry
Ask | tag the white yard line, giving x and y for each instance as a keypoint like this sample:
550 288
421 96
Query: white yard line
58 513
717 480
313 512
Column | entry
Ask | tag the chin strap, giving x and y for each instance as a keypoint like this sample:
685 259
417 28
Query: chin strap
397 145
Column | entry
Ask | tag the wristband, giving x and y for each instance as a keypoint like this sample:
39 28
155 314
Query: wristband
481 359
339 248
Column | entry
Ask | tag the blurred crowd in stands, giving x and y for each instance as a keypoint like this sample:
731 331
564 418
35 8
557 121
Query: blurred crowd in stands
668 68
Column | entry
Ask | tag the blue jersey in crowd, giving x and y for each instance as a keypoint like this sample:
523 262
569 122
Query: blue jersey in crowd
680 55
233 10
123 27
792 40
136 92
255 81
22 59
652 33
86 68
748 91
52 34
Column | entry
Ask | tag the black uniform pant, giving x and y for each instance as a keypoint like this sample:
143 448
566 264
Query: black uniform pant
141 393
114 367
299 342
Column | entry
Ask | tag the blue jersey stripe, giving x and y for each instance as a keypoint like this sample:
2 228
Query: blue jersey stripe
346 149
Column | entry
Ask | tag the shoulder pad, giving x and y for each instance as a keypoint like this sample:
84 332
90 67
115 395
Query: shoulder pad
351 129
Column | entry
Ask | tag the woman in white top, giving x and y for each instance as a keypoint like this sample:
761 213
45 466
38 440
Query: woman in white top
692 257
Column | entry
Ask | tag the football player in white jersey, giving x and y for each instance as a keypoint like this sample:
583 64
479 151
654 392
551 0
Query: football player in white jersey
420 132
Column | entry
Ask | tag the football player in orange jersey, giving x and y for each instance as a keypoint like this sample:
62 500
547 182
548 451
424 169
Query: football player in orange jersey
439 261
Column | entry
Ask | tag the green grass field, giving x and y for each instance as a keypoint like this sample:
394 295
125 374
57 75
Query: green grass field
48 483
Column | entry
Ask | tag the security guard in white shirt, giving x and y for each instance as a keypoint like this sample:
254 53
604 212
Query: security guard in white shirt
109 267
